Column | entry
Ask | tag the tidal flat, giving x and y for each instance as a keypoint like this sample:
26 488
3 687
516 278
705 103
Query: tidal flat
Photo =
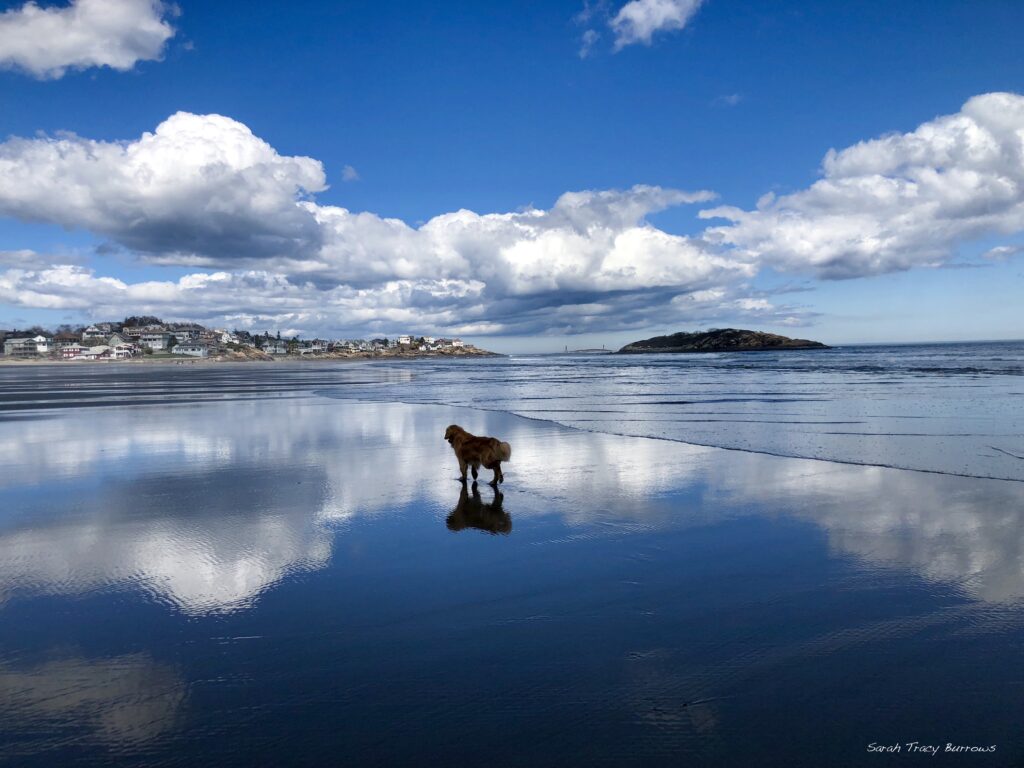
264 572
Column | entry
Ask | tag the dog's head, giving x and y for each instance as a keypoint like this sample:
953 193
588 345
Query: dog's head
452 432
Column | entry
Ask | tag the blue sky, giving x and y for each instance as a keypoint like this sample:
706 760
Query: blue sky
491 108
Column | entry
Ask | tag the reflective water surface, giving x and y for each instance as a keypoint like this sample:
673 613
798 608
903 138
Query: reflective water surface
949 408
276 577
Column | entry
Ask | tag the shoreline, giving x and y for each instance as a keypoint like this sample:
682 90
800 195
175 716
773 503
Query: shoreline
242 358
705 419
726 578
688 443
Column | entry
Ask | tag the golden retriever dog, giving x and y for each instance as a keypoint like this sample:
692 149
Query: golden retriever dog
471 512
473 451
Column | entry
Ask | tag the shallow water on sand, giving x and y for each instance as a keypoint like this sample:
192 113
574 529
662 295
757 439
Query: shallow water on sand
268 576
945 408
949 408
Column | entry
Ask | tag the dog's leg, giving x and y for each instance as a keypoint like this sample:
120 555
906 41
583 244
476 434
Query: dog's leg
462 468
497 474
476 471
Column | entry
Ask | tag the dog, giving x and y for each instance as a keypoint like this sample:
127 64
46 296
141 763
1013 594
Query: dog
473 451
471 512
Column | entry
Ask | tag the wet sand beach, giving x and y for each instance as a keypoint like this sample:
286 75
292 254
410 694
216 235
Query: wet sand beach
279 577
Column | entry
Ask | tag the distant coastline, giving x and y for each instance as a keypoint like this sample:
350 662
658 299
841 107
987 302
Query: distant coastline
148 339
236 357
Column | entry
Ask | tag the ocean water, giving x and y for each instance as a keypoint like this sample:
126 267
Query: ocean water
275 565
948 408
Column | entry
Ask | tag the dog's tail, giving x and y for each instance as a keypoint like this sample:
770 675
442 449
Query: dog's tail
505 451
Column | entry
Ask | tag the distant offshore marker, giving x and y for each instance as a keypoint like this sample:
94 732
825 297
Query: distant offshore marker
719 340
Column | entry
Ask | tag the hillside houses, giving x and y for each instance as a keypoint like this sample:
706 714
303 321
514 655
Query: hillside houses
44 344
102 341
314 347
192 349
67 339
156 340
93 335
429 343
23 347
150 337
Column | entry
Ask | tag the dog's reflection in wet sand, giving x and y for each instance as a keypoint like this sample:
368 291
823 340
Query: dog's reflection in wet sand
472 512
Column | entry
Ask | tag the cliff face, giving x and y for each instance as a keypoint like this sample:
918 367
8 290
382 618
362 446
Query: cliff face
719 340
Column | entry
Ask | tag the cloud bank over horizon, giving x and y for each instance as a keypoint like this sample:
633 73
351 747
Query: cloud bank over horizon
47 42
896 202
204 193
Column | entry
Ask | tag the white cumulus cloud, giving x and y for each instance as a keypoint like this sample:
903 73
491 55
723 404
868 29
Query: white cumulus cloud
587 241
638 20
198 187
895 202
46 42
204 191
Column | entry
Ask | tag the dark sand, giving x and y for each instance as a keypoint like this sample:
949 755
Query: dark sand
301 581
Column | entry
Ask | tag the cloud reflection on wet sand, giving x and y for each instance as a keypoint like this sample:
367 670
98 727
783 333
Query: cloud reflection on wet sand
207 506
125 699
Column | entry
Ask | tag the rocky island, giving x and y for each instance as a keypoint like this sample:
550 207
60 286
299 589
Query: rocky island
719 340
